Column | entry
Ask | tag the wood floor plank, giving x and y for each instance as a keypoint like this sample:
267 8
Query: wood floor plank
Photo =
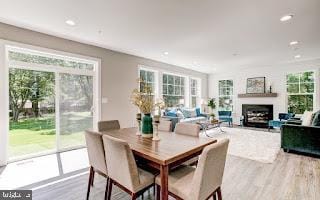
289 177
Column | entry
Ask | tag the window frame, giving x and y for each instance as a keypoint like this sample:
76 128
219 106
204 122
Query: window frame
314 93
231 96
159 82
5 47
156 79
185 86
198 91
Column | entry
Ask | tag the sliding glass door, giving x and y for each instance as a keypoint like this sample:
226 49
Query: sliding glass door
51 103
32 112
76 108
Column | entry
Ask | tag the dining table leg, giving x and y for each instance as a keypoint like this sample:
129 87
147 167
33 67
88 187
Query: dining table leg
164 171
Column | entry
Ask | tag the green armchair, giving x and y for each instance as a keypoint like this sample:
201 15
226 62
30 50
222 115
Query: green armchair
305 139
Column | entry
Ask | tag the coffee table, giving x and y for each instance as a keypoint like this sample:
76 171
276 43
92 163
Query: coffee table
208 124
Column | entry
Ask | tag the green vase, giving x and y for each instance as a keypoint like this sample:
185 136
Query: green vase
147 127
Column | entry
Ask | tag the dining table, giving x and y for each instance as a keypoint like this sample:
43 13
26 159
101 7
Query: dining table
169 152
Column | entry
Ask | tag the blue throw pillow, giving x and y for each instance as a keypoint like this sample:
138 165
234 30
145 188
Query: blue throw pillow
198 112
171 113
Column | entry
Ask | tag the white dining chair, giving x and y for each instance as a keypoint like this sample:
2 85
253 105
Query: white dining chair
189 130
108 125
203 182
123 170
96 156
165 125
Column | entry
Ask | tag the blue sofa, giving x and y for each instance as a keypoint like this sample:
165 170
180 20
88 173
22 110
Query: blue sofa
175 117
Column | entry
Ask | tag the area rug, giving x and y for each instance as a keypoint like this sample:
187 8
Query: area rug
256 145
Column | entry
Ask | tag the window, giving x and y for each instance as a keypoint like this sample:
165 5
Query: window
194 86
173 90
226 95
51 102
300 89
44 59
148 77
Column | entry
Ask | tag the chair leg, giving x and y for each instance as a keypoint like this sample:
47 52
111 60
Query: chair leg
219 193
92 180
106 191
89 182
158 192
109 189
214 196
133 196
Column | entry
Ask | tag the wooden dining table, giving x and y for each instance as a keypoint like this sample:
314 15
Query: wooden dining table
170 151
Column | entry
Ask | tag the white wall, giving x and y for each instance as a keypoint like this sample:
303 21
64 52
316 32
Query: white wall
275 75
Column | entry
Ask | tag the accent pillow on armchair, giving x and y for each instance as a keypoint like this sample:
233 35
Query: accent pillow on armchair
306 118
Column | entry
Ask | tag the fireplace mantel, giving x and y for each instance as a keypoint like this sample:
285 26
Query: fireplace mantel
248 95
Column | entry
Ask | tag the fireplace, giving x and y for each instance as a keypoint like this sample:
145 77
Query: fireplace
257 115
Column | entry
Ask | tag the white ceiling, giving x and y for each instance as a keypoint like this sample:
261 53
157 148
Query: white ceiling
199 34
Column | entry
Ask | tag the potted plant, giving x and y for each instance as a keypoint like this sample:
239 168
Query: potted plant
143 99
212 106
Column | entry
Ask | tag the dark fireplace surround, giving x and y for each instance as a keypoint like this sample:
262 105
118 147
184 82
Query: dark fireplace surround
257 115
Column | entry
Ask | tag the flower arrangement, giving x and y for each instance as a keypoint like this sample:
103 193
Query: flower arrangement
143 98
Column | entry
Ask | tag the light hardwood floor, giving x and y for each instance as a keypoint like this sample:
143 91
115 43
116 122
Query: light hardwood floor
289 177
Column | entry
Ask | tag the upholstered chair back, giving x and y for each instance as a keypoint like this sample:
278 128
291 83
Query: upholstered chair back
96 151
209 172
165 125
108 125
187 129
224 113
122 166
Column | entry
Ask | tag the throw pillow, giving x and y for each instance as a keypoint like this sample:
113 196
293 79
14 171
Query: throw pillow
316 119
180 114
193 112
189 113
171 113
306 118
186 113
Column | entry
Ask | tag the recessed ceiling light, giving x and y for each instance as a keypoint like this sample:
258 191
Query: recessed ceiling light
70 22
297 56
166 53
293 43
286 18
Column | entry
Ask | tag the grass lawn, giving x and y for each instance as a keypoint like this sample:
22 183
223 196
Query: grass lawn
35 135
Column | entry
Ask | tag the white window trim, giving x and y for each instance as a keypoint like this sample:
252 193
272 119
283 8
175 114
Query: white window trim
186 87
159 76
156 79
231 96
315 92
5 47
199 88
